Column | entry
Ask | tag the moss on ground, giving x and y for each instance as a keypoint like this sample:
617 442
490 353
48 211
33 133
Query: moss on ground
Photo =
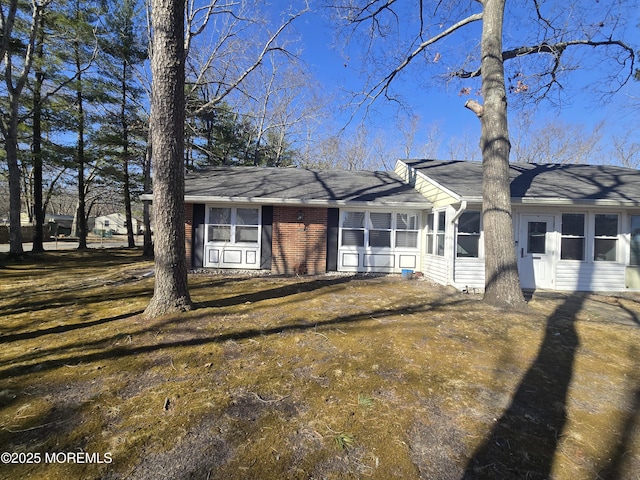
313 377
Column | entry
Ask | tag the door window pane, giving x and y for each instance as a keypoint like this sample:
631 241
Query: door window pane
537 237
220 216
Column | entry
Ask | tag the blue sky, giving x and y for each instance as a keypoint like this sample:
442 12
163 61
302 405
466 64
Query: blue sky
444 106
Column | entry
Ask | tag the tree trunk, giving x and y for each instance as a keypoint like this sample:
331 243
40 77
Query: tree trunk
125 158
147 249
171 293
36 147
502 282
15 203
81 219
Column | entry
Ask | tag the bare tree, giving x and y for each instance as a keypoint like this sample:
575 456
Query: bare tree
16 61
542 60
424 146
626 150
555 142
464 147
215 64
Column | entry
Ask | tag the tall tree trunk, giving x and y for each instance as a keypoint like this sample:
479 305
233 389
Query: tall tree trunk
81 219
125 158
15 202
171 293
502 282
147 249
36 146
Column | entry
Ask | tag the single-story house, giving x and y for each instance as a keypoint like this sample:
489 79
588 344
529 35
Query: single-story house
116 223
577 227
59 225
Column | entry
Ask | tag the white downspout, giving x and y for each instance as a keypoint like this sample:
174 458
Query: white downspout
463 207
451 276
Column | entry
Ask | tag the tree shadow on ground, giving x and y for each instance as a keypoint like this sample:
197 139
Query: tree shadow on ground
196 338
524 439
277 292
621 461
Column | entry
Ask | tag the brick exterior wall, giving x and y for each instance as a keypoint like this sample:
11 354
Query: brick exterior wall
299 246
188 233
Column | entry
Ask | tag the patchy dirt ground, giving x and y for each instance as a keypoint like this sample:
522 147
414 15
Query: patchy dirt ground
332 377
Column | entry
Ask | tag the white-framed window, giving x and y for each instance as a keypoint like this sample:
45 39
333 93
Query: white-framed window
436 228
353 229
605 243
572 239
430 233
374 229
468 239
380 229
440 233
407 230
233 224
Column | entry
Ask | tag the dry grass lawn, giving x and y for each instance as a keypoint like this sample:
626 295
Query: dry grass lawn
332 377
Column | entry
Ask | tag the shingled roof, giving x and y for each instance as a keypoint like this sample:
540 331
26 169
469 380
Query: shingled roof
299 186
541 183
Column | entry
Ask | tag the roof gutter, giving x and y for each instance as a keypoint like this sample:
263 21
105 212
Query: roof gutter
297 202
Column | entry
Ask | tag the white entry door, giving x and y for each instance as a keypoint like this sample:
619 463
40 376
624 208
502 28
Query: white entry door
535 261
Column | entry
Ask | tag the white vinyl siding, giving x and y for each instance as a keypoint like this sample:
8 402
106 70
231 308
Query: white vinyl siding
435 268
469 272
590 276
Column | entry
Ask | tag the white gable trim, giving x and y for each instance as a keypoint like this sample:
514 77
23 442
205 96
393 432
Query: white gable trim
433 191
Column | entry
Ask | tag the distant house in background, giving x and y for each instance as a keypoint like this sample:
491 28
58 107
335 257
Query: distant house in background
577 227
116 223
59 225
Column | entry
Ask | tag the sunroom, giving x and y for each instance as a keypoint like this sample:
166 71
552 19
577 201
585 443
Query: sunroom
379 241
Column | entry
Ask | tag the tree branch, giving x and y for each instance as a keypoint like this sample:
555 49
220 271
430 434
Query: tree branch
383 85
556 50
268 47
475 107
